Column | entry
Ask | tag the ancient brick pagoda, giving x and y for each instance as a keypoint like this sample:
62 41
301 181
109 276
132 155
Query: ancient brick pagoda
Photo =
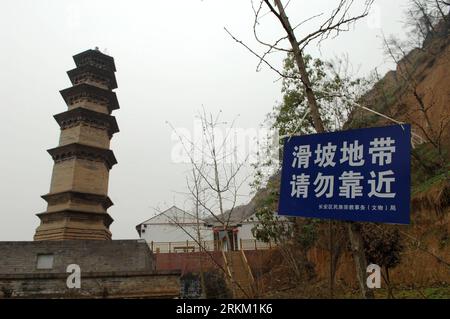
75 227
78 198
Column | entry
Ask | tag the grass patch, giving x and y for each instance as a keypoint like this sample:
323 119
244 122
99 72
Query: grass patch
417 293
429 183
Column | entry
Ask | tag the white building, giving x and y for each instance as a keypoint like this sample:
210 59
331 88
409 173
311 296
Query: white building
175 230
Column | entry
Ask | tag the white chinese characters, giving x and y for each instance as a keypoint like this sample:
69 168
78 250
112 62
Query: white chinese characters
300 185
317 178
381 181
325 155
351 185
301 156
381 151
353 153
324 186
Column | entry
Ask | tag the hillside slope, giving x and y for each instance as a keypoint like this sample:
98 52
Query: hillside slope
417 92
421 76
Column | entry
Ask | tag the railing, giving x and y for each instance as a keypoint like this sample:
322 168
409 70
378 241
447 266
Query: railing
253 244
208 245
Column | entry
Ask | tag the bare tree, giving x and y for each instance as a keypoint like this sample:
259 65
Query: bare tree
178 223
195 186
420 114
340 20
216 163
426 20
218 171
423 16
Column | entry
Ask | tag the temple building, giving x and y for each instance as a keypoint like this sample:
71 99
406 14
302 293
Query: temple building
74 230
78 198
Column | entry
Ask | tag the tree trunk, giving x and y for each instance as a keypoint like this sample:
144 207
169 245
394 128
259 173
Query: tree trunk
332 269
355 236
298 56
388 283
359 258
199 235
201 251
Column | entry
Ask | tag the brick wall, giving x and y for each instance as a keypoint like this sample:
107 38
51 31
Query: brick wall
90 177
80 175
91 256
100 285
118 268
62 176
93 106
86 135
193 262
188 262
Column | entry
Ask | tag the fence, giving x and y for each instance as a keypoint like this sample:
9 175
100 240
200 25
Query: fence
208 245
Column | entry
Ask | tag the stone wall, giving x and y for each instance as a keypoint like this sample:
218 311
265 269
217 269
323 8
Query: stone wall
97 285
91 256
109 269
189 262
80 175
86 135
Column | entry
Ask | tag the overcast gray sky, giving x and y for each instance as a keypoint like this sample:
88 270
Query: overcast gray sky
172 57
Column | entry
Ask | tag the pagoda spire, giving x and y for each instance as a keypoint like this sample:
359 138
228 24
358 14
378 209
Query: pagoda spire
78 198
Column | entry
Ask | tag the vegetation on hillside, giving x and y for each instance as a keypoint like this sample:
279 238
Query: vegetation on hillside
399 96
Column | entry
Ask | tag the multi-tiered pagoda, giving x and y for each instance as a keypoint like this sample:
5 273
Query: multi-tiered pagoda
78 198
